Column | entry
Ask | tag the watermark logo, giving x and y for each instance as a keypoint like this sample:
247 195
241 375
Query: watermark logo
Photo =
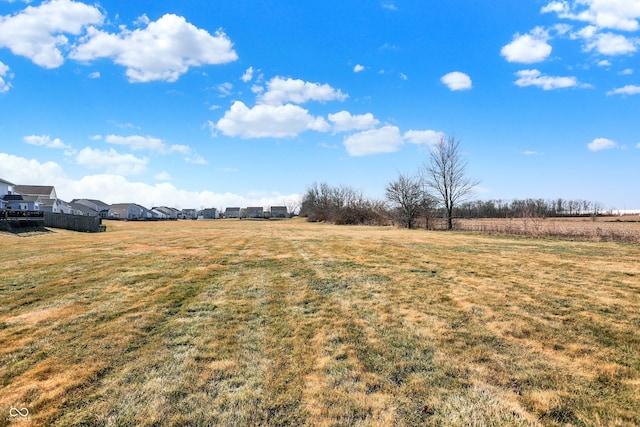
18 414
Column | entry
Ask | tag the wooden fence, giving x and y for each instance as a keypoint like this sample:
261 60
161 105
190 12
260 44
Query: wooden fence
92 224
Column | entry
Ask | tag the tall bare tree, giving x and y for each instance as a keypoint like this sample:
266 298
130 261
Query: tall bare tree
406 194
445 174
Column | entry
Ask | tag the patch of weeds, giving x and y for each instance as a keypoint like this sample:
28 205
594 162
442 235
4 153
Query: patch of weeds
328 286
562 413
429 272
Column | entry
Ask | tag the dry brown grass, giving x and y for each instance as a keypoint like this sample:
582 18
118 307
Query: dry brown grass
600 229
290 323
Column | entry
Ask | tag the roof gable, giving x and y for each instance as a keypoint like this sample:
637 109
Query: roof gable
2 181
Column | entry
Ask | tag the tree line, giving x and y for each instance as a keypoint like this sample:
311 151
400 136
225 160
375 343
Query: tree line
528 208
438 193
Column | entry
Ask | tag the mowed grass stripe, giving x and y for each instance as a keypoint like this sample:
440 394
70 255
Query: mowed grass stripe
289 323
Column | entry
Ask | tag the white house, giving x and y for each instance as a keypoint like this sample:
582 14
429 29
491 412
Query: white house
279 212
158 214
49 201
189 214
170 213
18 202
254 212
127 211
208 213
6 188
232 213
81 209
95 205
54 206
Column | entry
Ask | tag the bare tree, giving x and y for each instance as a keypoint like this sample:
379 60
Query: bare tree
293 205
406 195
445 174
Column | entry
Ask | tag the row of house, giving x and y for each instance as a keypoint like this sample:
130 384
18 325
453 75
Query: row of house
44 198
254 212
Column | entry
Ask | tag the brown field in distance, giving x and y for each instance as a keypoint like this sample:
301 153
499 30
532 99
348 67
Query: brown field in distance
602 228
290 323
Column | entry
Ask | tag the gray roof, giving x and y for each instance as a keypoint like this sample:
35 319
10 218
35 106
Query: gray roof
40 190
99 204
82 208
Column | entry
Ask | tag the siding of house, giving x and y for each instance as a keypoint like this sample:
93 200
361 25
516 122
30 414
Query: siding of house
279 212
97 205
211 213
126 211
232 213
6 187
254 212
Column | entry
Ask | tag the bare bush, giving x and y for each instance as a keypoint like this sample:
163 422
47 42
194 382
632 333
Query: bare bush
341 205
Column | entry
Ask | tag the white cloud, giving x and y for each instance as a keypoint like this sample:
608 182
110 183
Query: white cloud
45 141
559 7
604 63
389 6
225 89
626 72
528 48
29 171
384 140
536 78
530 153
599 144
344 121
610 44
196 159
613 14
164 50
280 91
149 143
137 142
358 68
625 90
268 121
163 176
229 170
4 73
38 32
562 29
95 75
457 81
183 149
257 89
428 137
111 161
248 75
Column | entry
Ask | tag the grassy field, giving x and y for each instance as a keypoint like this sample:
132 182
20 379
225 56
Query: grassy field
236 323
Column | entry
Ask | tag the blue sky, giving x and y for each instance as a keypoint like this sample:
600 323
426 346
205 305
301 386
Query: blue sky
236 102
